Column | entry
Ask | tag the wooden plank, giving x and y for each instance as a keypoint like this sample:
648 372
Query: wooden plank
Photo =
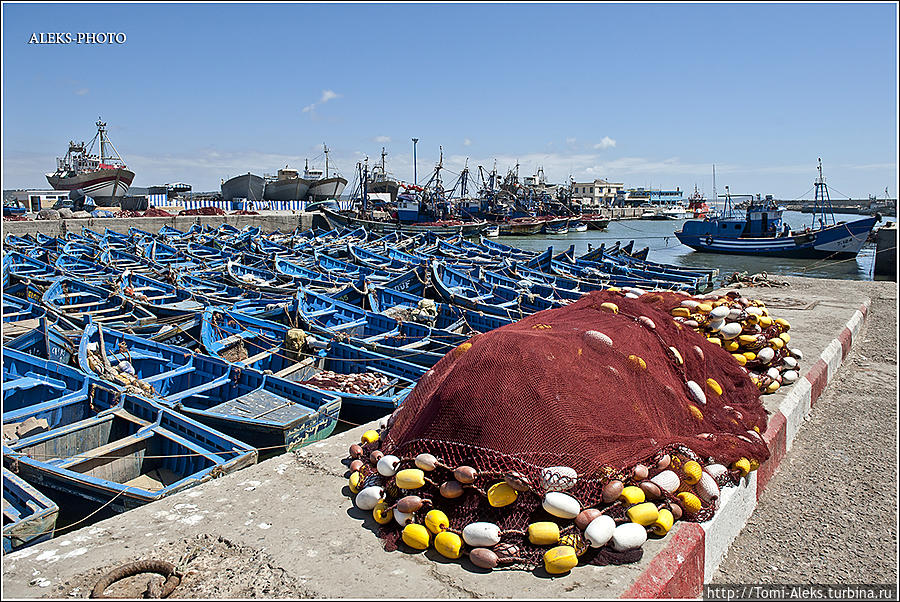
262 355
103 450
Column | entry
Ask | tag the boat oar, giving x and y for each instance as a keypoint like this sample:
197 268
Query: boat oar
106 363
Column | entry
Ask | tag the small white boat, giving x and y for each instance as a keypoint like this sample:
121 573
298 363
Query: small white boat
492 231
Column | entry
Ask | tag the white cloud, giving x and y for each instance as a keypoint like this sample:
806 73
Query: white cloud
570 140
607 142
381 139
81 91
467 142
326 96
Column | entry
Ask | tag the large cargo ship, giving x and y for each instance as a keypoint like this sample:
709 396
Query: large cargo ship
288 186
245 186
102 177
323 188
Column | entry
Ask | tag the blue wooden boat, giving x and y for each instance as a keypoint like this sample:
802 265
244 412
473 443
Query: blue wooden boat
45 389
19 243
257 279
447 317
309 277
624 257
184 333
121 261
29 516
617 267
494 248
81 249
517 270
260 409
161 299
124 451
209 256
22 268
87 271
248 341
54 340
118 241
21 316
335 268
598 276
461 289
759 230
331 319
81 303
526 285
214 291
375 261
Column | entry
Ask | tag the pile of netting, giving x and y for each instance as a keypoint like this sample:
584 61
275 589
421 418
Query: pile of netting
568 437
202 211
744 328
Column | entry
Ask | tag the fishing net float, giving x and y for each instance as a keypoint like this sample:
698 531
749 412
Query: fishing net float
566 438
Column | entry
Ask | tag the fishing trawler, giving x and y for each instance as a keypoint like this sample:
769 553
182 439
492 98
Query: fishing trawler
697 207
760 231
322 187
288 186
245 186
381 182
103 177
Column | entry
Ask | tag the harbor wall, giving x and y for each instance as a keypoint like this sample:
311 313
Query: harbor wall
266 222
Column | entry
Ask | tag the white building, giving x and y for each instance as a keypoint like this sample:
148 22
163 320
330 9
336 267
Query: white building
596 194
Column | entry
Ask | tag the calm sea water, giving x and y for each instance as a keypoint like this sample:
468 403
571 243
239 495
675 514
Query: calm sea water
665 248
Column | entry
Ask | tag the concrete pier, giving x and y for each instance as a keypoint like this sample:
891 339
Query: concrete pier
288 528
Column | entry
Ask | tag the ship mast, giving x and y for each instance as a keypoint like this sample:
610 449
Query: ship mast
101 132
822 197
715 194
326 159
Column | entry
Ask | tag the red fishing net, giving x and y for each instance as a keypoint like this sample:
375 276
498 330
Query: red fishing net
609 388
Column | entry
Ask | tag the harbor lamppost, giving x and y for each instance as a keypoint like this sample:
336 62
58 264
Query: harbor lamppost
415 177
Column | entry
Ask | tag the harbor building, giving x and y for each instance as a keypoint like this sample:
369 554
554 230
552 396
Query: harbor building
635 197
599 193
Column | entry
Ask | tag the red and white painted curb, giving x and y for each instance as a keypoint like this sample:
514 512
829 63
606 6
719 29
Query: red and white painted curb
693 554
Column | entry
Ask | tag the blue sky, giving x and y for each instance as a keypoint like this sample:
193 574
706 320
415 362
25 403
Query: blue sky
645 94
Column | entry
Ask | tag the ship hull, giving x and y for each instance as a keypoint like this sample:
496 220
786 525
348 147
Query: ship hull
388 186
294 189
246 186
841 241
328 188
106 186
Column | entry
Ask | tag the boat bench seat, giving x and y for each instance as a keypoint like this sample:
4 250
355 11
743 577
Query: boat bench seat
171 374
103 450
349 325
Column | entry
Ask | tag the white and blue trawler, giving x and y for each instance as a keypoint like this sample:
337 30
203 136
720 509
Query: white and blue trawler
760 231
